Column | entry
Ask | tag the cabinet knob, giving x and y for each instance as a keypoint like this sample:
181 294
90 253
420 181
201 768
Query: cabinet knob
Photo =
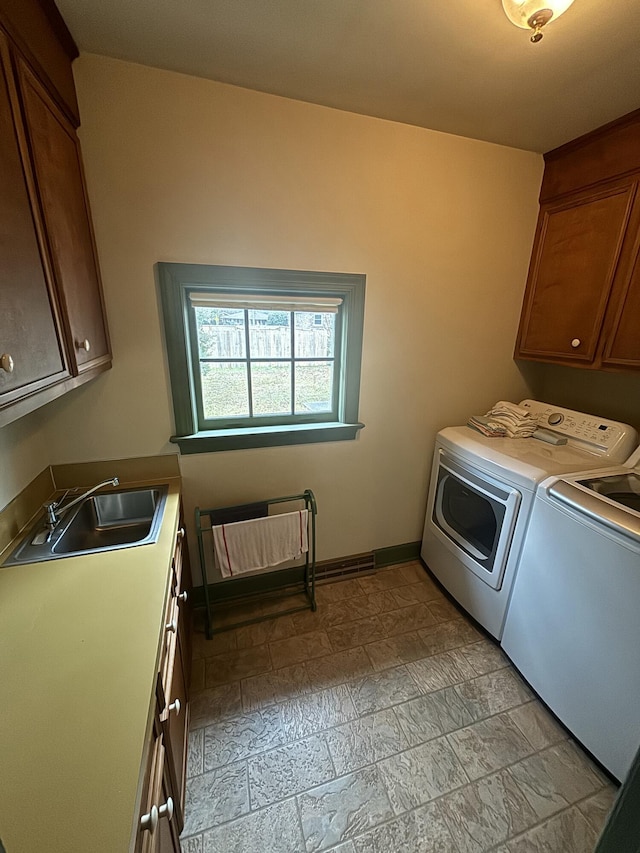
149 821
6 362
576 342
183 596
167 809
175 707
180 535
85 345
172 627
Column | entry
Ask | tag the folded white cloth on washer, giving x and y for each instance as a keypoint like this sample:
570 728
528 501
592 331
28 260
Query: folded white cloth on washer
245 546
518 421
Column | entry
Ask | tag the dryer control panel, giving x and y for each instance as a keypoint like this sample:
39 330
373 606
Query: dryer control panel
604 438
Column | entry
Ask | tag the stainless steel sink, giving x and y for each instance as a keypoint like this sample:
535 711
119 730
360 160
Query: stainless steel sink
102 522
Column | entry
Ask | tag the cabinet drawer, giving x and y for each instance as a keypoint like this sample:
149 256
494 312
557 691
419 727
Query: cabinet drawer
158 830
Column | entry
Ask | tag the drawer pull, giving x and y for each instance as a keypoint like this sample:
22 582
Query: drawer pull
85 345
149 821
576 343
6 362
167 809
183 596
174 706
171 627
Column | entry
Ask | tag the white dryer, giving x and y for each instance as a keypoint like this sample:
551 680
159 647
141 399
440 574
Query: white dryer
481 494
572 626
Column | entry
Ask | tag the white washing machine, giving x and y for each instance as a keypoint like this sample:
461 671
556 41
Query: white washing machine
481 494
573 624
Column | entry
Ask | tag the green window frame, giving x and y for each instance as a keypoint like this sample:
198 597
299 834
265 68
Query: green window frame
179 284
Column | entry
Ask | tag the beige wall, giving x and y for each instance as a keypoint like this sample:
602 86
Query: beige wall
188 170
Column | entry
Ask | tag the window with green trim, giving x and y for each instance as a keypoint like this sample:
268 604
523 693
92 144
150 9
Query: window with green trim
262 357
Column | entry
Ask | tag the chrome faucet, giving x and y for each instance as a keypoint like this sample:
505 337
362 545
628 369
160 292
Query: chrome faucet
54 512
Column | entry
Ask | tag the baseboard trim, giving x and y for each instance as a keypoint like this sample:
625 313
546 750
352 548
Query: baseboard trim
397 554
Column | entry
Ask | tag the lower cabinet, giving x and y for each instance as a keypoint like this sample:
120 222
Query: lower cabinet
161 816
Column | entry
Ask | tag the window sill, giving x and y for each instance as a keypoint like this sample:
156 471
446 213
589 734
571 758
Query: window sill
242 439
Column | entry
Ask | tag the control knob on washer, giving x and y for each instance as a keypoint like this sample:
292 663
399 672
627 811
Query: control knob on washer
555 419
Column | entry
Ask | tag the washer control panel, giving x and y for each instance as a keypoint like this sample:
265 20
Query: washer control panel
599 436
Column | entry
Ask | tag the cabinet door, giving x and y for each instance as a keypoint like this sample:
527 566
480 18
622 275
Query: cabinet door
29 339
622 349
577 248
58 168
163 837
175 719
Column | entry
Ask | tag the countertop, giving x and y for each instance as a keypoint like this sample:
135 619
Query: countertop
79 649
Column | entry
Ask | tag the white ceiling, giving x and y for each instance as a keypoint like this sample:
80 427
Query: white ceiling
453 65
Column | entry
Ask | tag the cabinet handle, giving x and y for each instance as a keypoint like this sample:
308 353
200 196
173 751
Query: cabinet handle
172 627
576 342
167 809
174 706
6 362
183 596
149 821
85 345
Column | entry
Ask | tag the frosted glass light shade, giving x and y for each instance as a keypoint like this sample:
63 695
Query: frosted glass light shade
521 12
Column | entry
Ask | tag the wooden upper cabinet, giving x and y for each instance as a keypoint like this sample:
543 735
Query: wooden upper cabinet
31 353
59 175
572 270
582 301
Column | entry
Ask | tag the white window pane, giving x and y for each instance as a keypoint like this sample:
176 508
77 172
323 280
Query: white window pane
221 333
314 387
315 334
270 334
225 391
271 388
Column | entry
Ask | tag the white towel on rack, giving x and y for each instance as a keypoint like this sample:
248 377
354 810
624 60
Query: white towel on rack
245 546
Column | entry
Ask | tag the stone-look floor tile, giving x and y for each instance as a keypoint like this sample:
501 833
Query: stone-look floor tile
197 675
361 606
414 571
338 668
537 725
430 716
489 745
230 614
242 737
225 641
418 775
483 657
415 593
406 619
351 634
343 809
383 689
444 610
493 693
365 741
195 753
568 832
555 778
275 829
486 813
440 671
217 703
347 847
597 807
316 712
300 648
423 830
449 635
216 797
233 666
288 770
381 580
191 845
394 651
337 591
278 628
279 685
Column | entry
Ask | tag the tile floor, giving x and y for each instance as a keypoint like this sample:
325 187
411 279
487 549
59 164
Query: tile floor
382 723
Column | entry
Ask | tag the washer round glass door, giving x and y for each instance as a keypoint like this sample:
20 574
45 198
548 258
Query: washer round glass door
475 516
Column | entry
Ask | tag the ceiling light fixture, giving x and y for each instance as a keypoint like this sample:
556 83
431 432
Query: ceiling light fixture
534 14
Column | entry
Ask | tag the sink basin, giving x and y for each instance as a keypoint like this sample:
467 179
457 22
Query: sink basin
102 522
